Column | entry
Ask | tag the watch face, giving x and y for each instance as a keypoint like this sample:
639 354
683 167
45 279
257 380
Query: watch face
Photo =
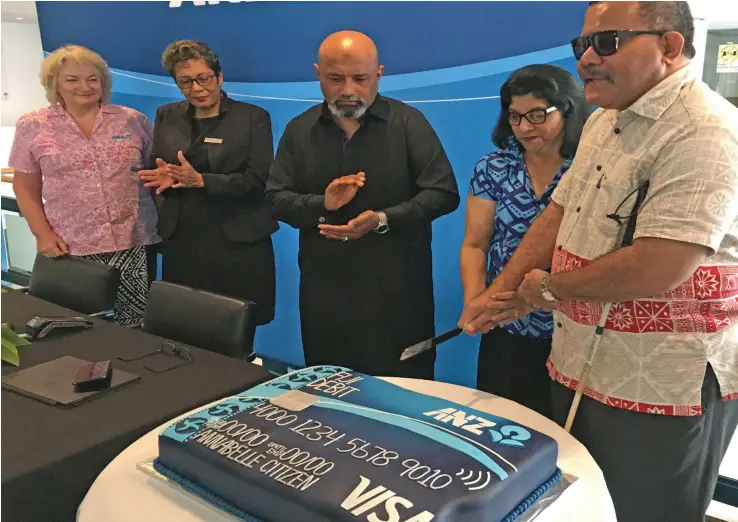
548 296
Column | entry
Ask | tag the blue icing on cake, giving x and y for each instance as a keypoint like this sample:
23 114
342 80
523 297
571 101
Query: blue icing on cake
328 444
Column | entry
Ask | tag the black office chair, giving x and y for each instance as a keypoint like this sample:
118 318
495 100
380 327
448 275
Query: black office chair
82 285
210 321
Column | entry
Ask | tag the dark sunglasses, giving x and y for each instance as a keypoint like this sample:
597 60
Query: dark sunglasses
604 43
535 116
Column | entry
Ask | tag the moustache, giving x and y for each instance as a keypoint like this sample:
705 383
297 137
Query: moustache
592 73
349 98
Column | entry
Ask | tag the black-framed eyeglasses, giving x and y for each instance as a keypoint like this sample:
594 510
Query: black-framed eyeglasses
203 80
604 43
169 349
535 116
641 191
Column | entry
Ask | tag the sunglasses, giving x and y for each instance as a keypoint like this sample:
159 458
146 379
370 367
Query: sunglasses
535 116
605 43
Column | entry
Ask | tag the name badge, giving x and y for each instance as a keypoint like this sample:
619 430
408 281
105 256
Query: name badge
213 140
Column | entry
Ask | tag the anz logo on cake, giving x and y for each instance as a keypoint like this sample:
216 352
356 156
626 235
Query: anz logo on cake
508 435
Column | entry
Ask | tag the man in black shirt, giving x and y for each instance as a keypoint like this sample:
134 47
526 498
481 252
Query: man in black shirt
362 176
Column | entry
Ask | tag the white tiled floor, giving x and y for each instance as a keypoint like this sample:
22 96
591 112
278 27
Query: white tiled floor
728 468
722 512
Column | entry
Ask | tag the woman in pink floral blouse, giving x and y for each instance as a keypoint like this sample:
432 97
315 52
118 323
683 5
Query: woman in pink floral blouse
76 182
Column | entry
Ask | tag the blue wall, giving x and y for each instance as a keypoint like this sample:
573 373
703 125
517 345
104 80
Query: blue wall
448 59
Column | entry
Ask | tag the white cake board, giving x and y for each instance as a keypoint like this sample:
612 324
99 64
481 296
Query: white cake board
531 514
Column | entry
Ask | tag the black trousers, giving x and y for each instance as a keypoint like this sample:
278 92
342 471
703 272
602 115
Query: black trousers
240 270
657 467
514 367
152 261
365 327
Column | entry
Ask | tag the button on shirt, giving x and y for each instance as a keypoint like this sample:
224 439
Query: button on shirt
408 176
92 194
683 138
502 177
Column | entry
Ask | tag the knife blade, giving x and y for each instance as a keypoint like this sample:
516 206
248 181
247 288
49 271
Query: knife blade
428 344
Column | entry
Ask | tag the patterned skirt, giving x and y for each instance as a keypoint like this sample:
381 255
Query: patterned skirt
133 291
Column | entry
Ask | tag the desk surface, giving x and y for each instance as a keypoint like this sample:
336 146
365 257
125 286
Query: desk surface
109 499
50 455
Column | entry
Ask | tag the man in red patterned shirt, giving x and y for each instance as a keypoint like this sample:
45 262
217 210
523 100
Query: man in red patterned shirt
658 413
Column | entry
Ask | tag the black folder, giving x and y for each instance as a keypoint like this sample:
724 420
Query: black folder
51 382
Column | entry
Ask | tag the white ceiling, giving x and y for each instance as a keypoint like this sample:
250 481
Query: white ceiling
720 14
19 12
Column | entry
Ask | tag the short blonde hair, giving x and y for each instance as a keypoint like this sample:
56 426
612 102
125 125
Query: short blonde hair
76 53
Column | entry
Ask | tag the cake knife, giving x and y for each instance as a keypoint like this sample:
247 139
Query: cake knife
428 344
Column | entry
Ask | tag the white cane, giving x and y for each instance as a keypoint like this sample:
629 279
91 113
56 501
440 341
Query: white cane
642 190
587 367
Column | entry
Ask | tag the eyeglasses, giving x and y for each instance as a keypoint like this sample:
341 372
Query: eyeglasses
202 80
604 43
535 116
641 190
166 349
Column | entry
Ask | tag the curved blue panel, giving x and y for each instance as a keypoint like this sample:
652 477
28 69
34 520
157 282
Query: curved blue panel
278 41
157 85
448 59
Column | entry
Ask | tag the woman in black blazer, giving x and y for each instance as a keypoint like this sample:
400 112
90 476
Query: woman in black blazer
209 162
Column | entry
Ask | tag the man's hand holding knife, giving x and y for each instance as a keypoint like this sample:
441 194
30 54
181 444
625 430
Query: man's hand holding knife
495 307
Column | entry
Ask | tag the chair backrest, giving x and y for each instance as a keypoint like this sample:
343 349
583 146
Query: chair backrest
84 286
210 321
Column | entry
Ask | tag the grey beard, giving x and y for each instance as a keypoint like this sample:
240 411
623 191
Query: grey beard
346 111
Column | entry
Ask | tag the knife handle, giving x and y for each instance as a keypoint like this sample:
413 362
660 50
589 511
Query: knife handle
448 335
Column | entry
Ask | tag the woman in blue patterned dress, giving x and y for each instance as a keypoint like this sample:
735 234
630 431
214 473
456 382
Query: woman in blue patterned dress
543 113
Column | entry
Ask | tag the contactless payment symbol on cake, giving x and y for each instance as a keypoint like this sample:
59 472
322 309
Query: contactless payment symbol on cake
474 481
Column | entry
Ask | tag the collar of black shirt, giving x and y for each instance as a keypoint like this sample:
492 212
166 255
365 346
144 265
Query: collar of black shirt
379 108
225 103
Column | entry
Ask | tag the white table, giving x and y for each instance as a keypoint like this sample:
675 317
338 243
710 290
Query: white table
123 493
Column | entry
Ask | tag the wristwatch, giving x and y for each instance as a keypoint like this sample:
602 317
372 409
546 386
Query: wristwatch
547 295
383 227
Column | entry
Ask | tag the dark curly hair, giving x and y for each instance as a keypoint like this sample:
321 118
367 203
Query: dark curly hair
553 84
183 50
